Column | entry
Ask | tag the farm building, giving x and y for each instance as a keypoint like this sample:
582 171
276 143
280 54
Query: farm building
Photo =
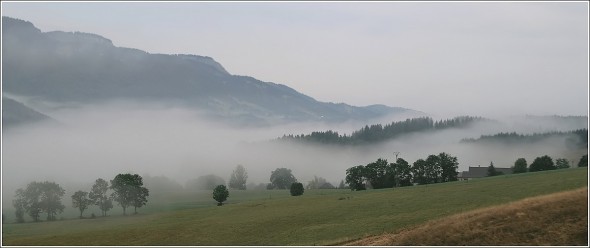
478 172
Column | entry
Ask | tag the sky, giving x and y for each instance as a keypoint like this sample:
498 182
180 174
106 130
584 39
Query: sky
442 58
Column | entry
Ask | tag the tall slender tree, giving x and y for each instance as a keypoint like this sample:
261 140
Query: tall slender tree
20 204
98 196
238 178
28 201
51 199
403 173
139 198
420 172
492 170
433 169
448 165
80 200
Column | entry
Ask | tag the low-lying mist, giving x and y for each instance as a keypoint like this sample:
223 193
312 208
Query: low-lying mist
153 139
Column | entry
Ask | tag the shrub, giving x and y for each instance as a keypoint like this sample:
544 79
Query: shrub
220 194
296 189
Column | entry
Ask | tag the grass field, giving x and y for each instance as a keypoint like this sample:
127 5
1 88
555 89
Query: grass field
274 218
554 219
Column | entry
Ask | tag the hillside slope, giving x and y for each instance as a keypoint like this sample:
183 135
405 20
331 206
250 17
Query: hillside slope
275 218
15 113
549 220
87 68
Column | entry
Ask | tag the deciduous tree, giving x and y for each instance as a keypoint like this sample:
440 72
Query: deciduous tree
562 163
378 174
139 197
39 197
51 199
316 183
542 163
520 166
98 196
403 173
282 178
420 171
20 205
80 200
238 178
128 191
433 169
448 166
355 177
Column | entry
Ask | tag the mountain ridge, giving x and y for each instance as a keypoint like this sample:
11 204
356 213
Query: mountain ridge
60 66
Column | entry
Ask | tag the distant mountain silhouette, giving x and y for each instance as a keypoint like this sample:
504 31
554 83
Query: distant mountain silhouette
16 113
87 68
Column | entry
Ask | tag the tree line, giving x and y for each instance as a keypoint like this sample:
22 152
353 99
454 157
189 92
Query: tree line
542 163
378 132
281 178
128 191
381 174
435 169
46 197
576 138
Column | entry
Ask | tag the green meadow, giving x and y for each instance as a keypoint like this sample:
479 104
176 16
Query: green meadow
318 217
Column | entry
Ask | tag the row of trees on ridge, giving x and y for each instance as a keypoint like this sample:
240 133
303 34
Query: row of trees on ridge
378 132
574 139
540 164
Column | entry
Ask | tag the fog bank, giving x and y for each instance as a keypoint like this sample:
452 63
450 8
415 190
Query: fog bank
159 140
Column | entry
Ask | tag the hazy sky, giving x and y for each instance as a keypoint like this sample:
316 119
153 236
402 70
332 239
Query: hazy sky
451 58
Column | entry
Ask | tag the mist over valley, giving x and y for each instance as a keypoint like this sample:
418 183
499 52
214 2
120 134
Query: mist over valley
75 108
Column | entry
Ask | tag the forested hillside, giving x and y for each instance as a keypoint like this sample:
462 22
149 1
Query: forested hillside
575 139
378 133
